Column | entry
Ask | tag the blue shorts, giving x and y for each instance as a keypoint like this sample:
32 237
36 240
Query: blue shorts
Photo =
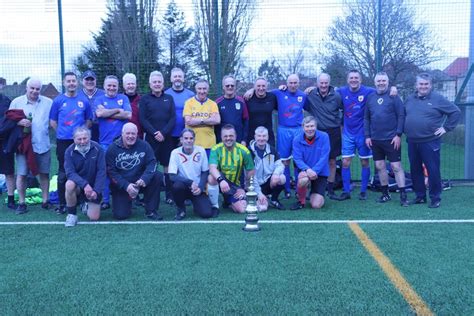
350 143
285 136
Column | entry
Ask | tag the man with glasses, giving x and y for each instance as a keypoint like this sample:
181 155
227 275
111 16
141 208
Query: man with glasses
233 110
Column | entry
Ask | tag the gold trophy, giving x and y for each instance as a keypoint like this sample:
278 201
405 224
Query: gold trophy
251 211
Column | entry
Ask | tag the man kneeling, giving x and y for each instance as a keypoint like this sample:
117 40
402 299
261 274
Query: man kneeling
188 170
310 153
84 163
226 163
131 166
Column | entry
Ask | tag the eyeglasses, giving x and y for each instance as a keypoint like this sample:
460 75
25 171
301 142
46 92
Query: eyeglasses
229 85
89 79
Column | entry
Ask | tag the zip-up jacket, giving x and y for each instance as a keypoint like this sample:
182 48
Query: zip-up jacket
313 155
267 166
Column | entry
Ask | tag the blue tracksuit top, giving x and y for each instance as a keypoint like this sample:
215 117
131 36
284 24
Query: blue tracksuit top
313 156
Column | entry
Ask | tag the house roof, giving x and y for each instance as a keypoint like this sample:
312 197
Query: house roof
458 67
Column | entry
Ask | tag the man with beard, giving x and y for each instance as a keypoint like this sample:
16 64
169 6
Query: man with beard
131 166
69 111
84 164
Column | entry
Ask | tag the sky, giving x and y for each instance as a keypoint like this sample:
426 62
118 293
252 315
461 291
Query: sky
29 40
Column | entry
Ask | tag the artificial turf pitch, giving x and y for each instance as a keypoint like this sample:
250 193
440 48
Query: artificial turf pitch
216 268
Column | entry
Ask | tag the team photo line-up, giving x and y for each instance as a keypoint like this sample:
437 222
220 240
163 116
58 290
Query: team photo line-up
109 144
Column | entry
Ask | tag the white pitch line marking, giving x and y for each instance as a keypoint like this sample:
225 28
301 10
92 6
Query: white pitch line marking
362 221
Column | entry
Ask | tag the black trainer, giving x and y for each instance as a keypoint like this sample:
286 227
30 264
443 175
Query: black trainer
61 209
434 204
180 214
384 198
332 195
297 206
418 200
154 216
21 209
12 205
276 204
343 196
363 196
46 205
287 195
403 199
215 212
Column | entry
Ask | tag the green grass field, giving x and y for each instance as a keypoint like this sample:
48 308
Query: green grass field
305 262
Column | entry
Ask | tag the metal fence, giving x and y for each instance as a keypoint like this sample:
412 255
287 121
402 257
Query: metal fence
284 37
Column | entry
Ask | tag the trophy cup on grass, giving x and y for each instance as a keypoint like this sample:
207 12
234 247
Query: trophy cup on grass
251 211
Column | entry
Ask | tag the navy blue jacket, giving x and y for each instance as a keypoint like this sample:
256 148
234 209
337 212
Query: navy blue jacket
88 169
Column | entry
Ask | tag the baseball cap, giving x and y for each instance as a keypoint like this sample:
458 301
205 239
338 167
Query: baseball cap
89 74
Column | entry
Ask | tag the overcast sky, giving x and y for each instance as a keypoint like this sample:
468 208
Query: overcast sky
29 37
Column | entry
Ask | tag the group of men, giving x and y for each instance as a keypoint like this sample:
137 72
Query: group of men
109 144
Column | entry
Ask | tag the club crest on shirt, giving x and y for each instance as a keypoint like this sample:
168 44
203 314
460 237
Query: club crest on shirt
380 101
197 157
360 98
120 102
80 104
300 99
237 106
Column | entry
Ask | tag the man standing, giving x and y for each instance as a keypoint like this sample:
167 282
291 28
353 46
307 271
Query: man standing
158 117
325 105
36 110
69 111
113 111
354 97
383 126
226 163
201 115
311 152
261 106
188 170
269 177
180 95
428 116
131 166
129 82
84 164
91 92
232 110
7 167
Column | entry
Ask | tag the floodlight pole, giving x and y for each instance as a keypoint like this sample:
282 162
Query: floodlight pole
469 124
61 40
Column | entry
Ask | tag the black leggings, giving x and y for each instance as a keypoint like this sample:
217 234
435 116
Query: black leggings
201 204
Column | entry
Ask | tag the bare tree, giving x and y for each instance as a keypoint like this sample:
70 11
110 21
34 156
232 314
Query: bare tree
404 43
233 18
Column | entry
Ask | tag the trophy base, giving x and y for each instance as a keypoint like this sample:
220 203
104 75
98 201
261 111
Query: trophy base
251 225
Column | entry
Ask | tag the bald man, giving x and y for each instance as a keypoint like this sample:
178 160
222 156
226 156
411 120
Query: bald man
131 166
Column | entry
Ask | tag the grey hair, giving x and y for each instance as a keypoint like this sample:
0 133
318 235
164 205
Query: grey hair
129 77
33 79
155 73
309 119
81 129
424 76
261 129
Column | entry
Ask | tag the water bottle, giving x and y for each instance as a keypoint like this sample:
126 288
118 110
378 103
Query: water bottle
27 130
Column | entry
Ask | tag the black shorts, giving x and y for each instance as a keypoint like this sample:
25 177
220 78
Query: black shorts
162 149
383 148
7 162
319 185
335 140
229 196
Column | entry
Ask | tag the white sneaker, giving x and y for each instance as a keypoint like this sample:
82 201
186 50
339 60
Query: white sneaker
71 220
